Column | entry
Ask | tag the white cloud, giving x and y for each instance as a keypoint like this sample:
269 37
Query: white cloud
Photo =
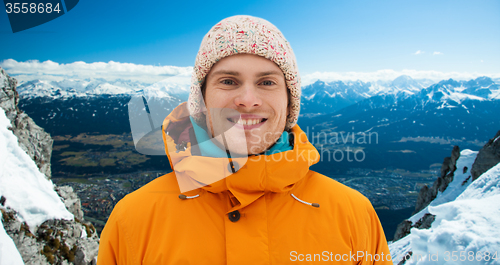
419 52
49 70
437 53
389 74
482 61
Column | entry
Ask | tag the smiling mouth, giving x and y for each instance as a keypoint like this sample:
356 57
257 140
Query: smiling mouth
247 121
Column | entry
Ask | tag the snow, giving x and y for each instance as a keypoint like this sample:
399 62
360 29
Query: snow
487 185
176 85
110 89
26 189
455 188
400 248
460 97
310 97
84 233
470 223
76 88
495 94
467 222
3 79
8 251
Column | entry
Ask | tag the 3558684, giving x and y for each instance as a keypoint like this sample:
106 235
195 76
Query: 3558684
25 8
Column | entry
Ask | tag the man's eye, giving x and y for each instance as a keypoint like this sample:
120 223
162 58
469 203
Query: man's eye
267 83
228 82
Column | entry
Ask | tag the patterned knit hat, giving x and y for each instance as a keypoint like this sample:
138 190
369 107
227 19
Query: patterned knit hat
244 34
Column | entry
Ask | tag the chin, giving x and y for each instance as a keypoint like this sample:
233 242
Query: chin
255 149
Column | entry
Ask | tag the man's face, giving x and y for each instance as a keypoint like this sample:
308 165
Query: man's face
253 87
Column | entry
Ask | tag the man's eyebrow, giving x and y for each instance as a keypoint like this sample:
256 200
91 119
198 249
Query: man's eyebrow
272 72
226 72
229 72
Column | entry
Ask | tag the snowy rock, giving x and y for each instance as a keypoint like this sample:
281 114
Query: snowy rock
428 195
405 226
8 95
425 222
402 230
448 168
55 241
26 242
25 189
32 139
469 224
28 196
71 201
464 218
8 250
80 238
86 253
488 157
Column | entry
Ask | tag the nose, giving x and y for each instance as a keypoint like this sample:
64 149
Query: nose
248 98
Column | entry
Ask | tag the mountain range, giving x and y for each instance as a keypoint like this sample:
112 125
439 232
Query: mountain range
322 97
421 126
177 86
415 121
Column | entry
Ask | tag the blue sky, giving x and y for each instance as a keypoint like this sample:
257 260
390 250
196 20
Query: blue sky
327 36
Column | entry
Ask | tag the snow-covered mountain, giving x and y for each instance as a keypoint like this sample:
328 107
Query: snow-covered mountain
451 93
24 190
465 100
76 88
319 97
41 223
96 105
434 119
177 86
462 224
399 111
327 97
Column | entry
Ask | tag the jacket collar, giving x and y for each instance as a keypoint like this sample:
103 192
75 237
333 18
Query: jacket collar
255 175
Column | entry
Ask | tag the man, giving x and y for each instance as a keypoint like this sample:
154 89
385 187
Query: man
241 191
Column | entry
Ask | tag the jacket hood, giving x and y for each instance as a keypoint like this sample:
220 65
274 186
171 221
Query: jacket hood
254 175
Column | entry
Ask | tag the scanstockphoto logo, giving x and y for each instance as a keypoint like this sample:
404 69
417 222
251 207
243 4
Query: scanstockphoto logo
28 14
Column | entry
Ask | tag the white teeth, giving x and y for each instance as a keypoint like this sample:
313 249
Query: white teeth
247 121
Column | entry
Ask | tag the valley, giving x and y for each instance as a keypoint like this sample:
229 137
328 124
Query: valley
87 154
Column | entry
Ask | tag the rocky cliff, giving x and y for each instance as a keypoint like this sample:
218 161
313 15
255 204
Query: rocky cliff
448 168
488 157
54 241
32 139
427 194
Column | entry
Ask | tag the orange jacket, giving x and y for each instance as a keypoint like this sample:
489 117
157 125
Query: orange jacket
249 217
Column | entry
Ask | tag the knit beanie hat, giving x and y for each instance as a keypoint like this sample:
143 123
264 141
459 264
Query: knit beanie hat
244 34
